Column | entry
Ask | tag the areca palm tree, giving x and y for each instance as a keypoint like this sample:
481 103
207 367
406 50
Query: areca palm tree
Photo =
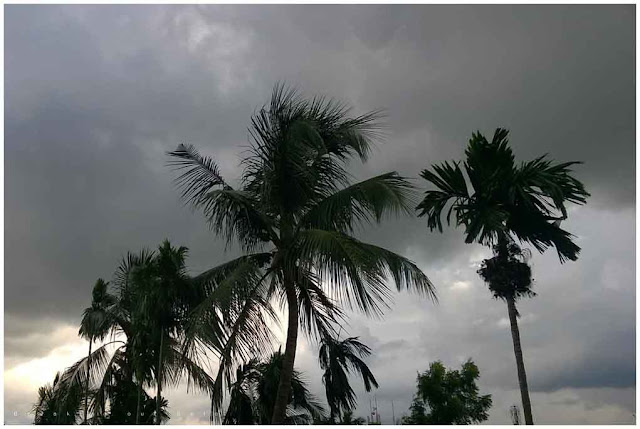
294 215
165 302
338 359
253 392
135 319
95 324
56 405
509 278
504 201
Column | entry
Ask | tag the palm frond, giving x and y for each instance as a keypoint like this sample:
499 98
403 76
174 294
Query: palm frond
451 189
362 203
248 335
202 173
104 391
318 313
356 272
76 374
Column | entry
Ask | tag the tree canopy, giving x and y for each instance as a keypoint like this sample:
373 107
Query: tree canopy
446 397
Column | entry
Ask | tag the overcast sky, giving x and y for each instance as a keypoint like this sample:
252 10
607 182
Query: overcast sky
96 95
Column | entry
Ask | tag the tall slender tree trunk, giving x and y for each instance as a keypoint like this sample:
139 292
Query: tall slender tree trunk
138 401
286 372
86 388
159 378
517 348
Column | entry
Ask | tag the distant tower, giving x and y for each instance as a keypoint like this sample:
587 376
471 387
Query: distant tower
515 414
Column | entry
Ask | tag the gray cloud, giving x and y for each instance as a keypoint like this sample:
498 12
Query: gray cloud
96 94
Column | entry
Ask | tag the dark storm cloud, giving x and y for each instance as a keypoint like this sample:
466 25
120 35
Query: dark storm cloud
96 94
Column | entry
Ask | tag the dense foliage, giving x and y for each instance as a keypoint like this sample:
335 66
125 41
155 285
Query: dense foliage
447 397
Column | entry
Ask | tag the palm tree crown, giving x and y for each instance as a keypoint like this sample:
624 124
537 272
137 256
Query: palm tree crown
95 322
338 359
293 214
526 200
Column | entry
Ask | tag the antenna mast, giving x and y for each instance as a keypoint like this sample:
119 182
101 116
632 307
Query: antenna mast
515 414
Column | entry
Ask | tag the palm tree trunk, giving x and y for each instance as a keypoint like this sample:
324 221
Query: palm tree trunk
286 373
517 348
86 389
138 402
159 378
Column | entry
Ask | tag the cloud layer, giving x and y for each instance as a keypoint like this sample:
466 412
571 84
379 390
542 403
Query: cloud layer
96 94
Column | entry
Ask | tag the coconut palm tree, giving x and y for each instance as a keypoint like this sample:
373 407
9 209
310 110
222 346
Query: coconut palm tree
294 215
95 325
338 359
253 392
504 201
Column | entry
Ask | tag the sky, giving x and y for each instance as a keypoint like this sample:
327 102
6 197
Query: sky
95 96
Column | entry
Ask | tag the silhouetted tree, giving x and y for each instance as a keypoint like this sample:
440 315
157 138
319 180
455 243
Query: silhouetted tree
294 214
95 325
447 397
338 359
56 405
252 395
347 419
146 318
504 201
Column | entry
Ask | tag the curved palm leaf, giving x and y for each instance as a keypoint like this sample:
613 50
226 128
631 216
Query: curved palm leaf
356 272
361 203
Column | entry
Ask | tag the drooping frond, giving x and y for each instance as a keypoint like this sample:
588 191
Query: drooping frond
224 290
57 405
76 374
104 391
356 272
318 313
362 203
182 365
349 270
247 334
451 189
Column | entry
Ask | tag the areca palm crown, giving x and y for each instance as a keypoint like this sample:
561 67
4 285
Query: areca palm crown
505 201
137 361
294 215
57 405
165 304
338 359
95 324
